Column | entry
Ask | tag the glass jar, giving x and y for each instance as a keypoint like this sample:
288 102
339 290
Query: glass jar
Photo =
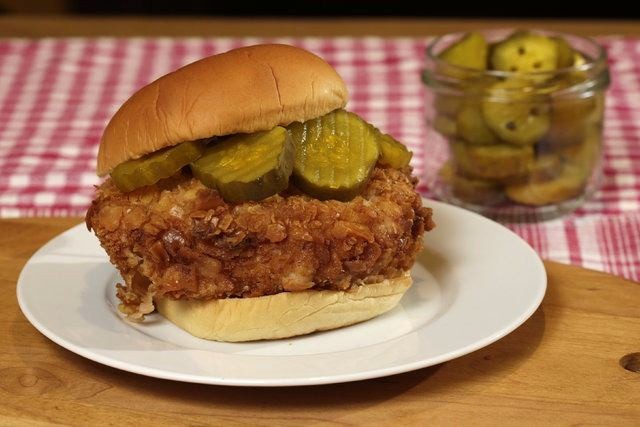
520 145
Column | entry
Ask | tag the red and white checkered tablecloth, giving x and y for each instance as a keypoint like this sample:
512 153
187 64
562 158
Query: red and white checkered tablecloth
56 96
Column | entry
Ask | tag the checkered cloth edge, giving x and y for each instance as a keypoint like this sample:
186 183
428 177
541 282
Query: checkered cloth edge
56 95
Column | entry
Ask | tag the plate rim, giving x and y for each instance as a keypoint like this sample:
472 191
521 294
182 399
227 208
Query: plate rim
306 381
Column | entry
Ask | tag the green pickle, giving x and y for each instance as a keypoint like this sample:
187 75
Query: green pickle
552 179
392 152
153 167
524 52
471 190
446 126
545 167
499 162
472 128
568 184
565 53
248 166
578 59
468 52
514 115
578 75
570 120
585 154
524 132
335 155
447 105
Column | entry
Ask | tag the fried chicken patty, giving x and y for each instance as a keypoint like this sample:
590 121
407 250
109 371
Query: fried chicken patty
179 239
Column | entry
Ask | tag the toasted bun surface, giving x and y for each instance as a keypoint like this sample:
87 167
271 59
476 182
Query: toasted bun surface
285 314
241 91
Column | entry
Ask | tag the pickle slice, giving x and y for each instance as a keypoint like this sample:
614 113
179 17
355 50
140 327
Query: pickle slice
515 116
586 154
153 167
576 76
471 190
472 127
492 161
578 59
570 120
248 166
445 126
565 53
392 152
525 52
469 52
335 155
448 105
545 167
567 185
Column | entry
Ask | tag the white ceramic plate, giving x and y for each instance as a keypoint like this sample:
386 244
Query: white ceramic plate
474 283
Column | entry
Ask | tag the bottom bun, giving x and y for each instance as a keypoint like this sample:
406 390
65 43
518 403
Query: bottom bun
283 315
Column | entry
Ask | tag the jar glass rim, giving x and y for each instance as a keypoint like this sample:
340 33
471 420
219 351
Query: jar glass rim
589 65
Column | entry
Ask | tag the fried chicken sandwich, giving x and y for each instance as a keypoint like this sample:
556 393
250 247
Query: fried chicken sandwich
244 203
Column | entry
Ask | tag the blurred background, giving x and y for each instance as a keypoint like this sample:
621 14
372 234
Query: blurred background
325 8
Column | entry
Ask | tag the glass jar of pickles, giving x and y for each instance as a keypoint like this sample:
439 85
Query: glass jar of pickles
521 115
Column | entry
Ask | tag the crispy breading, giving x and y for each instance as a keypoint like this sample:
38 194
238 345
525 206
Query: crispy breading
180 239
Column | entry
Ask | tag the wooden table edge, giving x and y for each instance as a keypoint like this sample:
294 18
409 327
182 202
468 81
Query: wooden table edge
126 26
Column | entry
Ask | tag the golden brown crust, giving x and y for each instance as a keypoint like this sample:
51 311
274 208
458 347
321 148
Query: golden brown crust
180 239
241 91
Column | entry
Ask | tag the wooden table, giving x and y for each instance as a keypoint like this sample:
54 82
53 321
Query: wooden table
563 366
34 26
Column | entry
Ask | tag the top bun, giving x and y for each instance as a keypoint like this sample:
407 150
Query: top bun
241 91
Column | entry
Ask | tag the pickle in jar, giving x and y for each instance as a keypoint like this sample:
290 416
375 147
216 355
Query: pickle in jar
445 126
570 120
587 153
471 190
545 167
335 155
468 52
447 105
516 116
578 75
248 166
578 59
153 167
498 162
525 52
471 126
568 184
566 54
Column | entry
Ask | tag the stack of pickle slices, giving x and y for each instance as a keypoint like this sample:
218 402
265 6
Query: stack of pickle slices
330 157
510 136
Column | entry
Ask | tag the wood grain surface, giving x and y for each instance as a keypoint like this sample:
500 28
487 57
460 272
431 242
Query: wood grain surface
65 26
563 366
